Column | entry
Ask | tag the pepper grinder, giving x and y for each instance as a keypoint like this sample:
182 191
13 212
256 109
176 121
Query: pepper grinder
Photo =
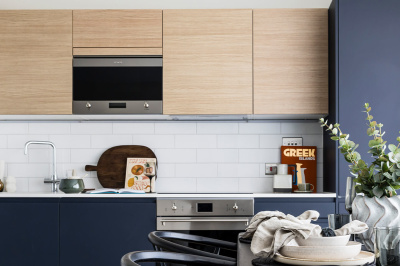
2 163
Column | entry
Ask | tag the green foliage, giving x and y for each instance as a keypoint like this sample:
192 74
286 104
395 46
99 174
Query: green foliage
382 177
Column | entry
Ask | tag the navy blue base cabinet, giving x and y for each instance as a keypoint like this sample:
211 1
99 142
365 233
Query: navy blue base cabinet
29 232
296 206
100 231
364 68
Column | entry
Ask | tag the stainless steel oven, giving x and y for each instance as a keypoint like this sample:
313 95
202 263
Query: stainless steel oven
220 218
120 85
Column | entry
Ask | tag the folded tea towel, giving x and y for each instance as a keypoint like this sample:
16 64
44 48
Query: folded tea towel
354 227
272 230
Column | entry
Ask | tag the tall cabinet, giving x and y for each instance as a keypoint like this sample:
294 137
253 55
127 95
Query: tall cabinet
364 68
36 62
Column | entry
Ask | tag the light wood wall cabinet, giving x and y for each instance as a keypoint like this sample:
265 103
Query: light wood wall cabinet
35 62
290 61
207 61
111 29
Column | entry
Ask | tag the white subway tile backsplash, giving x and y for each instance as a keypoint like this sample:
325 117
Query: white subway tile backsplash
86 156
91 128
176 185
238 141
313 140
259 128
13 128
196 141
176 155
133 128
155 141
71 141
217 128
165 170
18 141
202 157
108 141
175 128
49 128
298 128
196 170
217 156
256 185
218 185
259 156
3 141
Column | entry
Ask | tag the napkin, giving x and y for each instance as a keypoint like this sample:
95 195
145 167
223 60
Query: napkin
354 227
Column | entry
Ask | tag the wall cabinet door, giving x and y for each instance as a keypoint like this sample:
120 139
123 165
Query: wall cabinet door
35 62
100 231
207 61
29 232
117 29
290 61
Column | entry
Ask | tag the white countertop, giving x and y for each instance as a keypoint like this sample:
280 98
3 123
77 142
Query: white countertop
166 195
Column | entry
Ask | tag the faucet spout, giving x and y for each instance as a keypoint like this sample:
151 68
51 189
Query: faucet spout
53 180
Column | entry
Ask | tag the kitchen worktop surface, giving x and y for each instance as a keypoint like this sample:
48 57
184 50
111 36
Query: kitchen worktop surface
167 195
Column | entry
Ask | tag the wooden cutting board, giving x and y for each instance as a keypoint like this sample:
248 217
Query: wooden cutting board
111 168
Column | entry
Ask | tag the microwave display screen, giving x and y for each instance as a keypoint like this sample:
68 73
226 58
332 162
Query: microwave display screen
117 83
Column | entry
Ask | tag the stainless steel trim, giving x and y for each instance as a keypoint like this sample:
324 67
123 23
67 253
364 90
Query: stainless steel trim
118 62
102 107
163 221
202 223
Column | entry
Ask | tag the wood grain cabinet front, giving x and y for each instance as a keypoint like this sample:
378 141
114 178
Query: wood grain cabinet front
35 62
207 62
117 32
290 61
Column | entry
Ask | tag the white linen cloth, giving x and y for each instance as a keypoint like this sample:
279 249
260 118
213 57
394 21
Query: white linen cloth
273 229
354 227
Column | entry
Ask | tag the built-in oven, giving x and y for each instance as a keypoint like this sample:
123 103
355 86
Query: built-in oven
117 85
220 218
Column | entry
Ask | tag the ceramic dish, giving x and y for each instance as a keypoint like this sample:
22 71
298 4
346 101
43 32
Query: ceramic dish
361 259
351 250
323 241
299 191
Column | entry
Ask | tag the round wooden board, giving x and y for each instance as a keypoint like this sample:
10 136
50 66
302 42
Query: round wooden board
111 168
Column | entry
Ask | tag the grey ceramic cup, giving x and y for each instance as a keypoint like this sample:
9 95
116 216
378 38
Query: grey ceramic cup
305 187
72 185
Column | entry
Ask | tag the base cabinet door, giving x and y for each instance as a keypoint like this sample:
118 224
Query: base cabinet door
100 231
296 206
29 232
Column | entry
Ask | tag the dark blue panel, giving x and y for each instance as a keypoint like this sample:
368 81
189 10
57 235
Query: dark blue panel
296 206
29 232
369 71
100 232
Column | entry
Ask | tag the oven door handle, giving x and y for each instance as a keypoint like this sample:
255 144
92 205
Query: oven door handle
163 221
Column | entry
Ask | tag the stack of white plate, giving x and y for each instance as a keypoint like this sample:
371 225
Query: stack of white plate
336 250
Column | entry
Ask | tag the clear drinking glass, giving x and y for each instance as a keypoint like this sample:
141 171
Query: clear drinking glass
387 248
336 221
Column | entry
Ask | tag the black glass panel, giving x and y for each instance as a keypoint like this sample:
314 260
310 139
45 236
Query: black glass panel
117 83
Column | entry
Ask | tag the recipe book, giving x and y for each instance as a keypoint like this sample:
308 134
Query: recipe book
115 191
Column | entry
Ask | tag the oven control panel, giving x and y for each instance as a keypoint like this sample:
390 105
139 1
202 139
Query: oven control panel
205 207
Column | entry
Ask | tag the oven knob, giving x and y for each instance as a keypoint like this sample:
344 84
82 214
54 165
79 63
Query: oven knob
88 105
146 105
174 208
235 207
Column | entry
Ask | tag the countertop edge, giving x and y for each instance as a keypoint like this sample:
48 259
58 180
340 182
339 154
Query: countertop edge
168 195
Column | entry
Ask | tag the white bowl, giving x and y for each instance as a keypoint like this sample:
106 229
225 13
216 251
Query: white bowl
351 250
323 241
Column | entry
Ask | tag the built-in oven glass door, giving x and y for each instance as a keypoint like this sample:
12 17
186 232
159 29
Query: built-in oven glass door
116 83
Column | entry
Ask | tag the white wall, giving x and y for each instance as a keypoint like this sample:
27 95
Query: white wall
160 4
193 156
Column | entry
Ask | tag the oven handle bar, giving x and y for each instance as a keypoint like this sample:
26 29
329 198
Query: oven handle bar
246 221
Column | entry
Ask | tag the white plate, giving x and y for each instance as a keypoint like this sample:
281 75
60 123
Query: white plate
361 259
320 252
